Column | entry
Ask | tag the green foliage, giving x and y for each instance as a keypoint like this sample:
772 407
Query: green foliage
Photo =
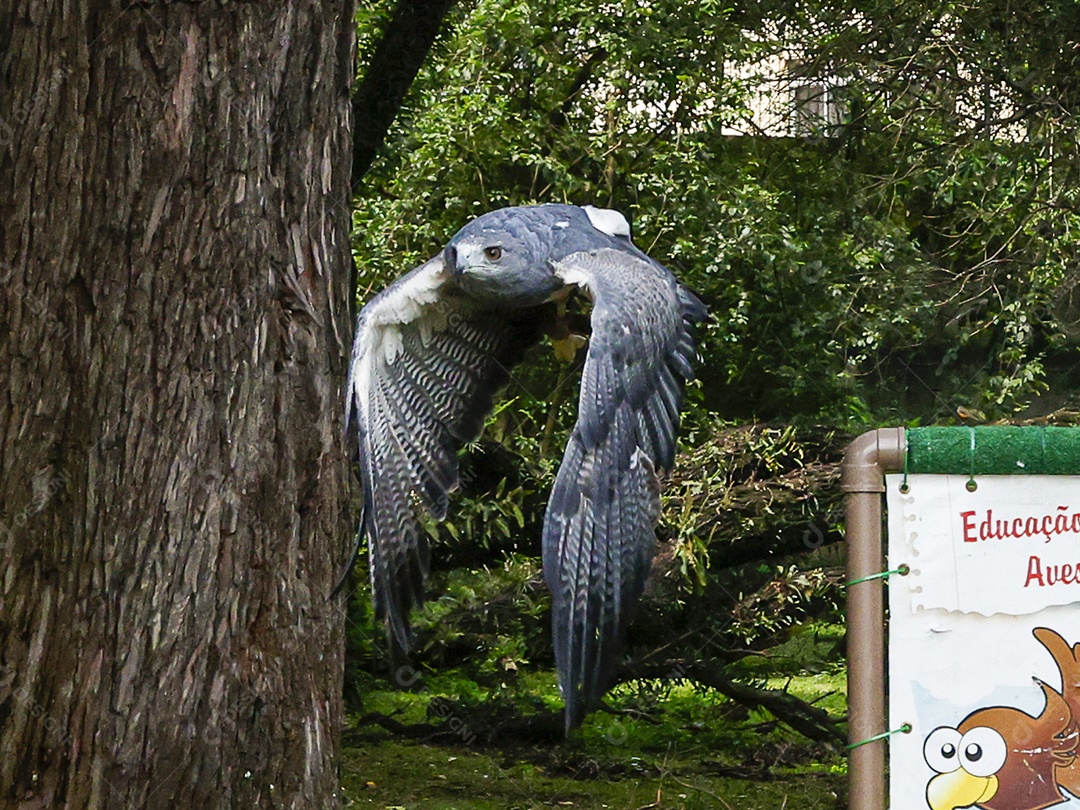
924 240
486 620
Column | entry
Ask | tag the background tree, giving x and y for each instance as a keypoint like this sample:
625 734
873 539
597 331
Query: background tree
400 46
174 248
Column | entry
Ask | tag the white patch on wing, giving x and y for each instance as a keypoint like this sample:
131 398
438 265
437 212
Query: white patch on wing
608 221
571 274
391 344
380 336
359 380
641 459
405 303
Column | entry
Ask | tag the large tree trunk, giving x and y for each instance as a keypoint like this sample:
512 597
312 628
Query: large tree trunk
174 221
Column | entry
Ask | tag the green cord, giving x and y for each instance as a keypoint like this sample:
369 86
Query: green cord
903 571
904 729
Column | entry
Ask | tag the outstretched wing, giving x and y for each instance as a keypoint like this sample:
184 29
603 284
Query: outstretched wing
599 530
426 362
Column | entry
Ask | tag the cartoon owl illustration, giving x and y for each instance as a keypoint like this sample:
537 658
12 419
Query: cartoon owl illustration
1002 758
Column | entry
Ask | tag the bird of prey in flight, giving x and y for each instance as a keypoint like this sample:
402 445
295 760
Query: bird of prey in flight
432 349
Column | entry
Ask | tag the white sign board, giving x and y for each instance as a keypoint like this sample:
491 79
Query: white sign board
981 634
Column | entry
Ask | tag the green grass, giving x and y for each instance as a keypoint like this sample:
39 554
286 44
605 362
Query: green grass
682 749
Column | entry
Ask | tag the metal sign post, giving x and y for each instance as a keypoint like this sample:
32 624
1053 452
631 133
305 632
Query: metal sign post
863 481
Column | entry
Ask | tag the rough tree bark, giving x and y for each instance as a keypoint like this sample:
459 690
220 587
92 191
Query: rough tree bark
174 222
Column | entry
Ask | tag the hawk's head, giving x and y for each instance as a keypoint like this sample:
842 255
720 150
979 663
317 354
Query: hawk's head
502 258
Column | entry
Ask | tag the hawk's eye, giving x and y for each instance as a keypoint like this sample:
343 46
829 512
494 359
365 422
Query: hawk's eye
494 253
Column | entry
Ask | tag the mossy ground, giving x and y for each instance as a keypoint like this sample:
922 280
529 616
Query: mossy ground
406 775
688 749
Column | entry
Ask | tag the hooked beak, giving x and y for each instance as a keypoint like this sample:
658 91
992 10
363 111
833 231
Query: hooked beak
450 260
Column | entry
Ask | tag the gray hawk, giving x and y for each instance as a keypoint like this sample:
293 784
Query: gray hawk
432 349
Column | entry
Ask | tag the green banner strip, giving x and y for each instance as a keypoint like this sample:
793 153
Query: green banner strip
994 450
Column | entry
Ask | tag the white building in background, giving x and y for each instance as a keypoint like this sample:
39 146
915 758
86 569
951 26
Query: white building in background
784 100
789 93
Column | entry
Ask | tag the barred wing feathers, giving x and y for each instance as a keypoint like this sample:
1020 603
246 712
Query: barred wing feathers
599 530
426 363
